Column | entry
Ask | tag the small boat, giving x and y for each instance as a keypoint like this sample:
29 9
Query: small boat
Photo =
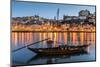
61 50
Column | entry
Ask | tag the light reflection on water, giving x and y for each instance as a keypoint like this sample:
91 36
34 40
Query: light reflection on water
20 39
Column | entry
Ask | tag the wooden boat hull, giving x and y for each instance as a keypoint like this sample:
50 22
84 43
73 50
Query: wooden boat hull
58 51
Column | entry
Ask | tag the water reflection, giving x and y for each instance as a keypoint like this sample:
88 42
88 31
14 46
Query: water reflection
52 59
20 39
24 38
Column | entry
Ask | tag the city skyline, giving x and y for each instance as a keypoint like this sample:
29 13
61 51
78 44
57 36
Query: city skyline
47 10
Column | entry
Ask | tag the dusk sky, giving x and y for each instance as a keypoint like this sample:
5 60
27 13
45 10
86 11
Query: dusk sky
46 10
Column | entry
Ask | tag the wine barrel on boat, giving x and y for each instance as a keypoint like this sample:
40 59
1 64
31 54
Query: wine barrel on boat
49 43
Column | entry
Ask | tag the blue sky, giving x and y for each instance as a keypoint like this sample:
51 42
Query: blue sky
20 9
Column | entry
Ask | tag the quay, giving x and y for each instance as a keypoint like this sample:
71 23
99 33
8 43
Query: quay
55 31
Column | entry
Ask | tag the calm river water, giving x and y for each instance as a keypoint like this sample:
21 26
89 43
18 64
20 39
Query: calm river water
25 56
